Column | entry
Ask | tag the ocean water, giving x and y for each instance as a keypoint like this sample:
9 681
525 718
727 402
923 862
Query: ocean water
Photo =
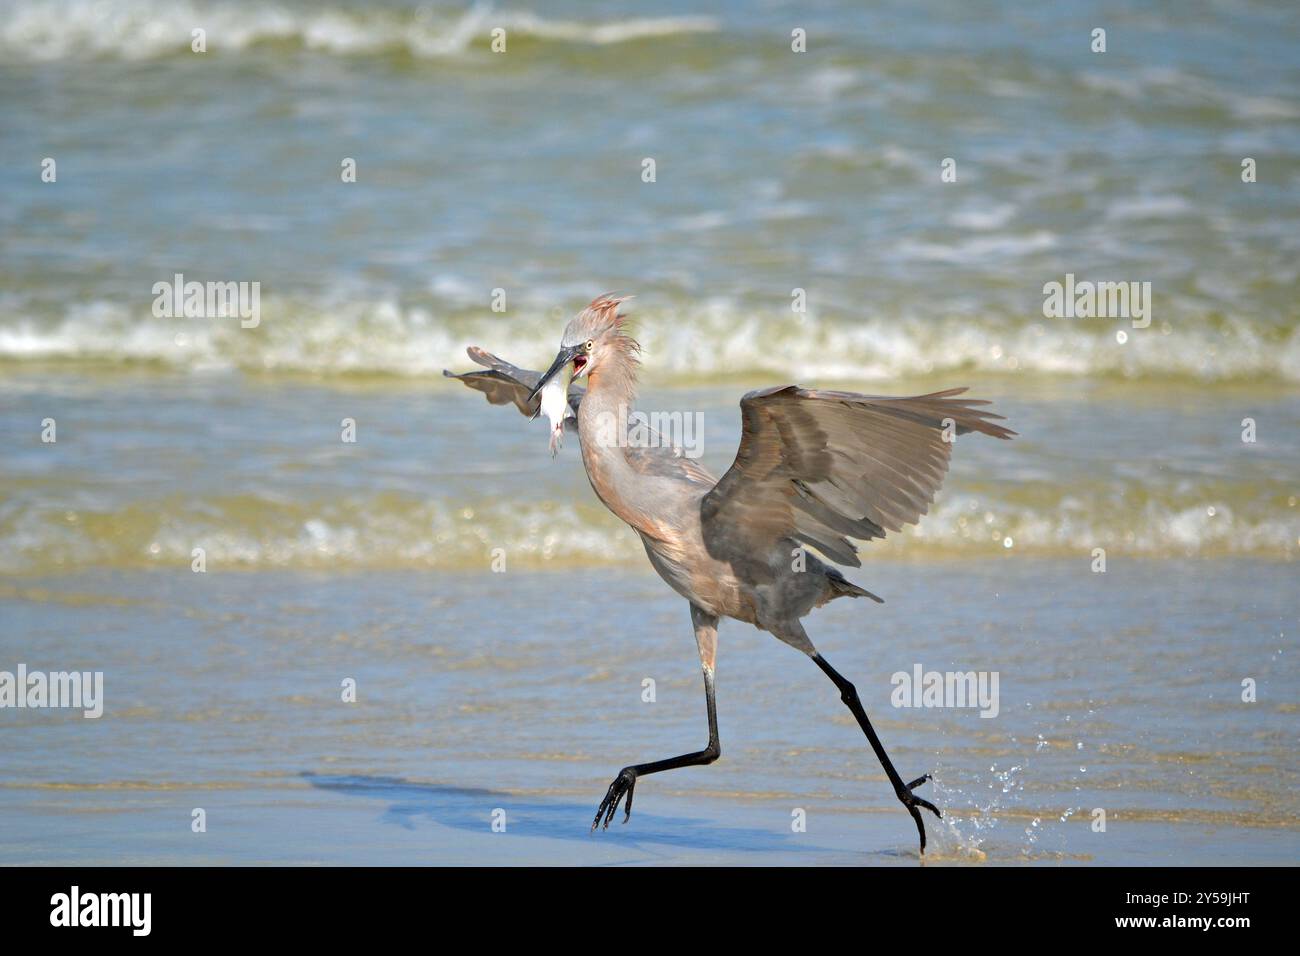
522 172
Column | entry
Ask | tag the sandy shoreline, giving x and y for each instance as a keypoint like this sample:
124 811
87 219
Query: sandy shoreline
353 821
475 692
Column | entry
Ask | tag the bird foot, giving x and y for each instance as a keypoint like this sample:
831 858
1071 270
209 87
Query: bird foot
624 784
912 801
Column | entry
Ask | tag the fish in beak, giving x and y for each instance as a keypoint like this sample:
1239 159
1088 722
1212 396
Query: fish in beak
568 355
555 406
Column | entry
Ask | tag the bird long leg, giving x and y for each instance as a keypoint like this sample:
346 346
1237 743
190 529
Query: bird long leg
849 694
706 636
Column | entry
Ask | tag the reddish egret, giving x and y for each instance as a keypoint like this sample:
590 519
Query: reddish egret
815 469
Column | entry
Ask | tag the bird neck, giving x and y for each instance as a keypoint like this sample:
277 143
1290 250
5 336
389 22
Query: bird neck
603 418
615 375
604 413
611 390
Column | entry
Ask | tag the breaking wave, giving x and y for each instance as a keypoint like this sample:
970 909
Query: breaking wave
45 30
392 530
341 336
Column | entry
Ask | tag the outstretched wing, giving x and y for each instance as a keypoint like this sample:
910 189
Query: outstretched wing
825 467
506 384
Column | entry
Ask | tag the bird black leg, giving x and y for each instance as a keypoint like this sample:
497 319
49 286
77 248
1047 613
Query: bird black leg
849 694
706 637
625 783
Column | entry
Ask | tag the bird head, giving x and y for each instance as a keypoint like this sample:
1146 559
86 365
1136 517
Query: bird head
593 339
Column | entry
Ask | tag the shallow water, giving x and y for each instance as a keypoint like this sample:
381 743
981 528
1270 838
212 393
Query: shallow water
521 690
254 471
524 691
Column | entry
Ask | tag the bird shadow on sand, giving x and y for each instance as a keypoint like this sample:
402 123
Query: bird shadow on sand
470 809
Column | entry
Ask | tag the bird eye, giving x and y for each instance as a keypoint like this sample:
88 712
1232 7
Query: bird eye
590 345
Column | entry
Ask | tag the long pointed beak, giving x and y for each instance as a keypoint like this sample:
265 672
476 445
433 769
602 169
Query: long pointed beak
564 358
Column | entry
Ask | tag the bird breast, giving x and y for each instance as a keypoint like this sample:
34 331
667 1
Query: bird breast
711 585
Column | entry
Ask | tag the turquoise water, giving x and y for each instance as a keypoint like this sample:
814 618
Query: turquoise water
521 172
775 171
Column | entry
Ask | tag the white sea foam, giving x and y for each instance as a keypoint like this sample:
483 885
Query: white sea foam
339 333
42 30
388 531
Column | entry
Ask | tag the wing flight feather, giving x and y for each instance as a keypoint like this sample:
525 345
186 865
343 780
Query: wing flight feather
825 468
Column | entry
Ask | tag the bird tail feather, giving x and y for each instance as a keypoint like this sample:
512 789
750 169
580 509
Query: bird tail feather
843 587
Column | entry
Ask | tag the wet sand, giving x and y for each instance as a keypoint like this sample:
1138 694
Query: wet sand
523 692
